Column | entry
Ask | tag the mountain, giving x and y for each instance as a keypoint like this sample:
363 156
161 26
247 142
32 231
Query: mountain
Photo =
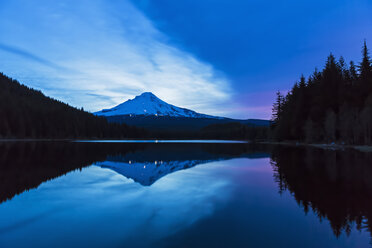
148 111
148 104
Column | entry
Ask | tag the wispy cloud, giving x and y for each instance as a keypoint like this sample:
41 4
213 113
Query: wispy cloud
98 53
27 55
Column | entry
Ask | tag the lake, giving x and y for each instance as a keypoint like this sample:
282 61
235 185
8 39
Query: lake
183 194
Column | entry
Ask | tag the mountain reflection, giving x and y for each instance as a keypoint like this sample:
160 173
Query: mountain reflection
336 185
148 165
25 165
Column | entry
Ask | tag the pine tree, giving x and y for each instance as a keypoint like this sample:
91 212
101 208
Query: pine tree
365 67
353 72
277 107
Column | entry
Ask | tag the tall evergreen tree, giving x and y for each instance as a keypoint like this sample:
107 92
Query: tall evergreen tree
353 71
277 107
365 67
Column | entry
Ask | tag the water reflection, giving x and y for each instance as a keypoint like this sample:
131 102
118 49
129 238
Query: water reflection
336 185
182 195
25 165
146 166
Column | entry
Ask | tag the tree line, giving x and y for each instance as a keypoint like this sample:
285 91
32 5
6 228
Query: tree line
332 105
28 113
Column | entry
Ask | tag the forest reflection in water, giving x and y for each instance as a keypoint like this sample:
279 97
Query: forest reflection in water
336 185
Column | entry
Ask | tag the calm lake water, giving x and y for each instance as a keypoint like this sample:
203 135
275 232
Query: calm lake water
80 194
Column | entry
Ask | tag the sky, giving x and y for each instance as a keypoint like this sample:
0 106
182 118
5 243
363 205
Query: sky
217 57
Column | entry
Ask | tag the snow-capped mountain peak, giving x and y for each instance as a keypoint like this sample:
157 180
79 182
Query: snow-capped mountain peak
149 104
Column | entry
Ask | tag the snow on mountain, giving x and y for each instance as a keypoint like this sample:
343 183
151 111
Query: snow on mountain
148 104
147 173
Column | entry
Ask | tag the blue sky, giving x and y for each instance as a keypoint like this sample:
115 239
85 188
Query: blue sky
218 57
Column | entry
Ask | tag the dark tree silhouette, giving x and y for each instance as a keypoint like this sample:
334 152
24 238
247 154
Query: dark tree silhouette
365 67
277 107
333 105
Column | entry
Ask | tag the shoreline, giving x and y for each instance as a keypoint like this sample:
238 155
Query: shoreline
149 140
361 148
